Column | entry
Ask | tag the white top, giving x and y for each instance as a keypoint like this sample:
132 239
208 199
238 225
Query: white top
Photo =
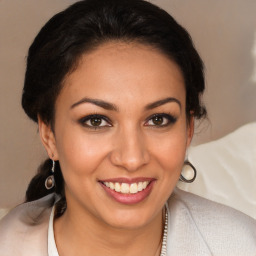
196 226
52 249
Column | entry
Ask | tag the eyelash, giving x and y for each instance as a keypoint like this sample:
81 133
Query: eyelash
170 119
95 116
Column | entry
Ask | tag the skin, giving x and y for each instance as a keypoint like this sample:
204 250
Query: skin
129 144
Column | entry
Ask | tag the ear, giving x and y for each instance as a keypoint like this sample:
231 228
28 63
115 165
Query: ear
48 139
190 130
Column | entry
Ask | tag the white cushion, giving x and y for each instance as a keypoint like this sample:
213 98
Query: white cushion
226 170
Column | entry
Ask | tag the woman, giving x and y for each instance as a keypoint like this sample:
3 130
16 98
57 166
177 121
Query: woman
115 87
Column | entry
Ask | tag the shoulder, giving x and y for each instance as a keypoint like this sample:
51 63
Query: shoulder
224 229
26 226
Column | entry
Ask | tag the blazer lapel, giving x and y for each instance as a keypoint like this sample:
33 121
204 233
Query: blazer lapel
184 238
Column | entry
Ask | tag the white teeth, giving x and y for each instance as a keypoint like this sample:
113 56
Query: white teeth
144 185
111 185
117 187
140 188
133 188
126 188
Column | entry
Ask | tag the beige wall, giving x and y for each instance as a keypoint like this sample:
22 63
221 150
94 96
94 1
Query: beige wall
224 33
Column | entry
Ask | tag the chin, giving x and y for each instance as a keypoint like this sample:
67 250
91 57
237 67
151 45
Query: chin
134 218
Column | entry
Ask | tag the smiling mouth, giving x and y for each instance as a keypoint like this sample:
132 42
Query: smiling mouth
126 188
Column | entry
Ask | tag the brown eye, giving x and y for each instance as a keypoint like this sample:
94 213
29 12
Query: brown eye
157 120
161 120
95 121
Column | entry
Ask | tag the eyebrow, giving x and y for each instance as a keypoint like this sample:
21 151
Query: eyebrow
97 102
113 107
162 102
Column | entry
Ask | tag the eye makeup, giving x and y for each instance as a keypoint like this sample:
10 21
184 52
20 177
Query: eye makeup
95 121
159 120
98 121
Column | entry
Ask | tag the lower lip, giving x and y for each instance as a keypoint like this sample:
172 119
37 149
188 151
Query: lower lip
129 198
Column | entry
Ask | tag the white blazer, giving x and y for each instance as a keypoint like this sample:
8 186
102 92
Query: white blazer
196 226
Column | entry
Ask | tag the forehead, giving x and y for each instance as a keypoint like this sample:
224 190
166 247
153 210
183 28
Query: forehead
125 70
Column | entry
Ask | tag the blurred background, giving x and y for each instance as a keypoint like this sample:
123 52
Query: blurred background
224 32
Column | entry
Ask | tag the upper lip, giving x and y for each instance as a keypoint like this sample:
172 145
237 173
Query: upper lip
128 180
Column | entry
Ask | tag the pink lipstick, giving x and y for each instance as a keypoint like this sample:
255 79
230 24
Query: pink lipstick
128 191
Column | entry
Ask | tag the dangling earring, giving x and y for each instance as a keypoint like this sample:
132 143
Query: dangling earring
50 181
188 173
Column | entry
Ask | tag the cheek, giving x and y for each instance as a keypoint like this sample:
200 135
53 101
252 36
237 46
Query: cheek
172 158
170 152
80 155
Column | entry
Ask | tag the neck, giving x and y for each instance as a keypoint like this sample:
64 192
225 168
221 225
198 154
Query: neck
90 236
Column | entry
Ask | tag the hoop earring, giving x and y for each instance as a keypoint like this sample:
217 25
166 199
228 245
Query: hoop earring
188 173
50 181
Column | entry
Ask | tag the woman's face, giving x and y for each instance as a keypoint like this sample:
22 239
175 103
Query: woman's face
120 134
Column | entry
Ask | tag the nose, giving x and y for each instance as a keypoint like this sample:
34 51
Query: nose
130 150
